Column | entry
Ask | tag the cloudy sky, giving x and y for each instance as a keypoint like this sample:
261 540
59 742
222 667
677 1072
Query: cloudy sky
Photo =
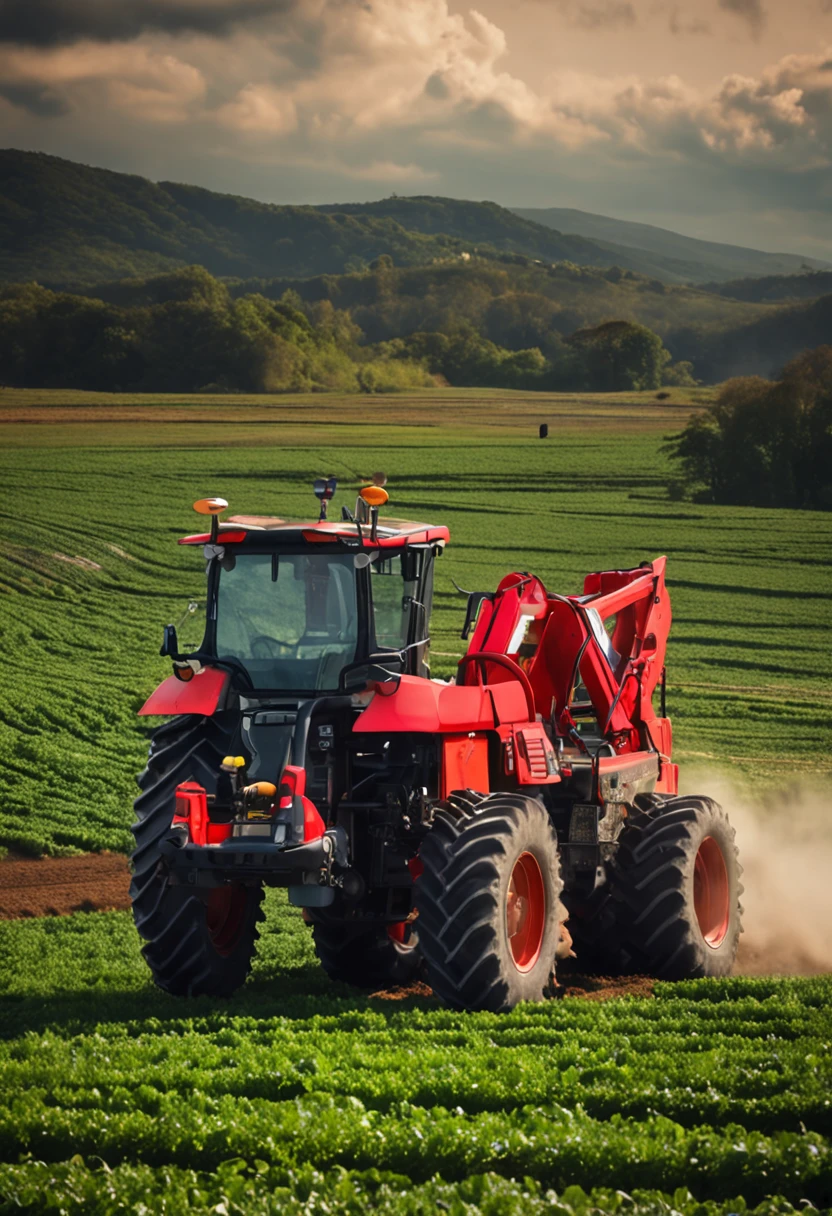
713 117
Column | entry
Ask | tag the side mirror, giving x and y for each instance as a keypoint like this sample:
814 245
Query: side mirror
170 643
382 668
475 599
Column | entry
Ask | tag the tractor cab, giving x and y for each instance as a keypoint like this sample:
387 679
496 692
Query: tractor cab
293 608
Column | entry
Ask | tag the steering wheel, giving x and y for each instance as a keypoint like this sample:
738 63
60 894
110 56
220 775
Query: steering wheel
270 646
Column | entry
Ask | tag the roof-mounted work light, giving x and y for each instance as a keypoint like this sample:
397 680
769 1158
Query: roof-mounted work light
324 489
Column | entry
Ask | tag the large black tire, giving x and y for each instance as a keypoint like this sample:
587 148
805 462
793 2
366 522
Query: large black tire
489 902
195 944
366 957
673 907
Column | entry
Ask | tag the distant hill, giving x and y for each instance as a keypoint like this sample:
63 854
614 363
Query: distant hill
759 347
678 258
487 225
775 289
66 223
484 224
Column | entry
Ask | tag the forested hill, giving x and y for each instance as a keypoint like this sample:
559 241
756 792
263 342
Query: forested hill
478 225
669 255
775 289
66 224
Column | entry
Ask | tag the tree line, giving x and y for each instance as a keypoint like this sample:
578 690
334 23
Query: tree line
187 331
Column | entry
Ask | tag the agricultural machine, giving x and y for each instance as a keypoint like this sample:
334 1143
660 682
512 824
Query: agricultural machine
471 832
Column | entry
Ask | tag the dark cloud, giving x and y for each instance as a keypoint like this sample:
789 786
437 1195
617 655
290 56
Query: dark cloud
751 11
35 99
59 22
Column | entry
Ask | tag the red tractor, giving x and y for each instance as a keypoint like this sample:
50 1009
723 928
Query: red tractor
425 828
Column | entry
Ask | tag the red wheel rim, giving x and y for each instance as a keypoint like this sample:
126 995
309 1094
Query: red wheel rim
525 912
224 916
711 892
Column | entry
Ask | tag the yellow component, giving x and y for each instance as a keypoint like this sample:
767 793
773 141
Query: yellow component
261 789
374 496
234 761
210 506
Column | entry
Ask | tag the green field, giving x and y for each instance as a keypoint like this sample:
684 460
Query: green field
300 1096
97 488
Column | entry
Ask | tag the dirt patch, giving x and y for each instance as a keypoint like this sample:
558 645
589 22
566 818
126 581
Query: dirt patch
56 886
604 987
590 987
84 563
403 992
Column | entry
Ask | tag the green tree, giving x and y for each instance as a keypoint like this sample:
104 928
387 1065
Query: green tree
620 356
765 444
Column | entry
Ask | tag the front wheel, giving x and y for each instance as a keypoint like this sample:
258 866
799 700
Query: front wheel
489 901
195 944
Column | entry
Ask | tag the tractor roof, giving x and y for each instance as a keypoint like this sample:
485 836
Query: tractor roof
267 530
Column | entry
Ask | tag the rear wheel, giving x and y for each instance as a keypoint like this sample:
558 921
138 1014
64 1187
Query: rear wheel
195 944
367 957
675 891
489 901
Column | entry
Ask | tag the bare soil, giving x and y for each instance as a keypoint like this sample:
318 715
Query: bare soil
99 882
588 987
56 886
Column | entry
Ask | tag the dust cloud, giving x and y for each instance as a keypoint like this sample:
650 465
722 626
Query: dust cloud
785 845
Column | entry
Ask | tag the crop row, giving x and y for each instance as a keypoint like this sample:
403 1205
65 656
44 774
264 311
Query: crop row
691 1076
718 1087
74 1188
746 1051
557 1146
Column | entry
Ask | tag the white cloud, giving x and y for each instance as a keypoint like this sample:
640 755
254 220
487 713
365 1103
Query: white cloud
391 172
259 108
388 92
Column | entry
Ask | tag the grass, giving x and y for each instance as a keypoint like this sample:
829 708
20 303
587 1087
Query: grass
303 1097
96 490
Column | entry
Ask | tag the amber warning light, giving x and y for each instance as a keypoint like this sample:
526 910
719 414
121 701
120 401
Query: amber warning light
213 507
374 496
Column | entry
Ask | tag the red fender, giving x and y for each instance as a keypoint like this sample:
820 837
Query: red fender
201 695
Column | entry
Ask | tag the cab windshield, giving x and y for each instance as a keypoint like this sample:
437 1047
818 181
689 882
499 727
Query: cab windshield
290 619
